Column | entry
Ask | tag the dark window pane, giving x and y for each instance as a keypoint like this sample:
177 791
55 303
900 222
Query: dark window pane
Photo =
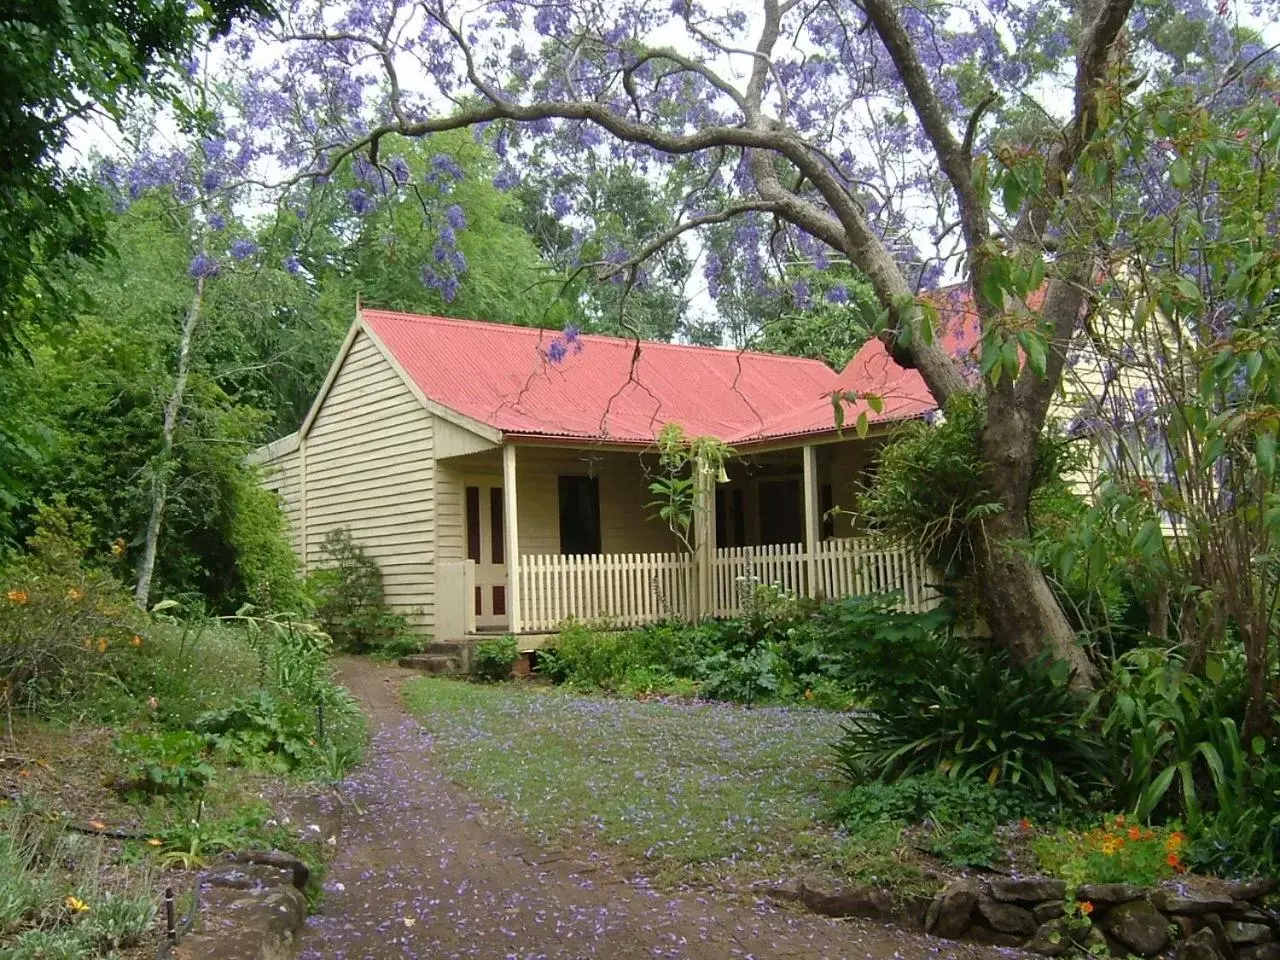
497 533
781 512
739 519
826 503
473 524
579 515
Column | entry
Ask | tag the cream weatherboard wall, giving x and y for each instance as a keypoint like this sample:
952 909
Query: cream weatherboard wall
365 462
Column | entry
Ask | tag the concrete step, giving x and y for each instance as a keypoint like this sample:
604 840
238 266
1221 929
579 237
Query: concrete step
433 663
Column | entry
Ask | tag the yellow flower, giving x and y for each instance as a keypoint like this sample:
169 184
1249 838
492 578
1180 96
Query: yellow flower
76 905
1110 846
74 594
103 643
808 694
17 596
1174 842
117 548
155 842
136 640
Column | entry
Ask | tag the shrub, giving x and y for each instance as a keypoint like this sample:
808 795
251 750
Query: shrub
265 561
171 761
976 714
961 815
262 730
349 598
493 659
63 625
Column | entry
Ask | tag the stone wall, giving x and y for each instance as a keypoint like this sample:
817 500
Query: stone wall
1198 918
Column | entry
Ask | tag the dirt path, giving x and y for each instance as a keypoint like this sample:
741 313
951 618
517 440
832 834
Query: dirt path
422 873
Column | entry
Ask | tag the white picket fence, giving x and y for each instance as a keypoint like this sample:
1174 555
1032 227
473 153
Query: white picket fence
627 589
634 588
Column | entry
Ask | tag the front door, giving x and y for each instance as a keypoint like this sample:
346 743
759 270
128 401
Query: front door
487 547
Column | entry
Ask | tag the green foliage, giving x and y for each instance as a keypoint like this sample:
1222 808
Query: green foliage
1112 853
494 658
929 491
164 761
975 714
1179 752
349 599
959 815
780 649
63 627
58 61
262 731
675 486
52 900
258 533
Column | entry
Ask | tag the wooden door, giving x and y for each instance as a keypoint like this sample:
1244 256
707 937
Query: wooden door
487 547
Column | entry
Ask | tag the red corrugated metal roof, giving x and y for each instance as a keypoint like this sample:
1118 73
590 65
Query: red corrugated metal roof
607 390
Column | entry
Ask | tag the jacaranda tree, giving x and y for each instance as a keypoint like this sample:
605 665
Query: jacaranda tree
912 141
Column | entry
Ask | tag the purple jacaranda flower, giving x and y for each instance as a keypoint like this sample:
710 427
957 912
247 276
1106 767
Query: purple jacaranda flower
456 218
838 294
560 205
217 221
203 265
360 201
243 249
556 350
292 264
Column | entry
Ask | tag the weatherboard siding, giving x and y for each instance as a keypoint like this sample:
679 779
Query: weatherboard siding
281 475
370 468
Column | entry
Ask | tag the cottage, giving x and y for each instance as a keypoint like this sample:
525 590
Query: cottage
500 475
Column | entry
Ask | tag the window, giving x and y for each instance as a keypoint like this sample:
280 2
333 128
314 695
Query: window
579 515
781 511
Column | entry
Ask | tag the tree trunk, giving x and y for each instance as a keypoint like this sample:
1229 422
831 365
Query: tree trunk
1020 607
162 465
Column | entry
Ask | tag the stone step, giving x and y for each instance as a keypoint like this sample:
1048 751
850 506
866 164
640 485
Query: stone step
445 648
433 663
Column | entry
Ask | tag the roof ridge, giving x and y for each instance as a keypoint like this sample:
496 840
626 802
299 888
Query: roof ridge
609 338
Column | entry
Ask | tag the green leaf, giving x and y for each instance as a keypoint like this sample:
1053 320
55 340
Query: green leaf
1180 173
862 425
1265 451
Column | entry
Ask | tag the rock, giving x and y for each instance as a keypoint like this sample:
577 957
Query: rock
1201 945
1244 910
1259 951
994 938
252 926
281 861
1106 894
1190 902
1253 890
1049 910
1138 925
1240 931
855 901
951 909
1027 889
1007 917
1051 939
251 876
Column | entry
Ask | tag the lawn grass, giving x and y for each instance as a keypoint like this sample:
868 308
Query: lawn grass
703 792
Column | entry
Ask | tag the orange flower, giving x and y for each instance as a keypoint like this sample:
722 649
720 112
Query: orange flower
1119 819
17 596
1174 842
1173 861
1086 907
1024 823
1135 833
